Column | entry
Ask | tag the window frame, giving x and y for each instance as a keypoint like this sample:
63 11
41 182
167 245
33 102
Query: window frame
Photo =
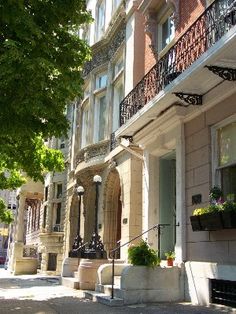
216 169
100 30
97 105
84 138
165 14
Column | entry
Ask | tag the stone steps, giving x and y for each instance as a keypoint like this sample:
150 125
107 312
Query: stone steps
70 282
103 298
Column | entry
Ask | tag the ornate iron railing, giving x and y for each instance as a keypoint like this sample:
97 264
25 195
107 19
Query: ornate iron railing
215 22
113 141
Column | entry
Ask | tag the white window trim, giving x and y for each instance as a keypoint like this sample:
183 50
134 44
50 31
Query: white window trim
216 179
164 14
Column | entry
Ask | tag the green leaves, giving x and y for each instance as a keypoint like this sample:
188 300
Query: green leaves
143 255
41 57
6 216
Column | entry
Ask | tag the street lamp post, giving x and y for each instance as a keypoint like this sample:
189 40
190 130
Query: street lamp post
96 247
78 248
97 180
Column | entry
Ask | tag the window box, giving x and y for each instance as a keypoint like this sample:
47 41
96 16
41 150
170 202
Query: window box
195 222
229 219
207 222
211 221
214 221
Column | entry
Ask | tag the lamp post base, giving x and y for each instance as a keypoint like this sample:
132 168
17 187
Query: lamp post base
95 249
77 248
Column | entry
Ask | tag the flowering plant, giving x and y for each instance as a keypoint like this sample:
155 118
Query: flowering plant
217 204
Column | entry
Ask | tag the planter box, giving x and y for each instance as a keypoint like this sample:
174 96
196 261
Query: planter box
207 222
211 221
229 219
195 222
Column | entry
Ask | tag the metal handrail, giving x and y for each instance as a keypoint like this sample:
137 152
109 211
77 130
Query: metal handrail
112 252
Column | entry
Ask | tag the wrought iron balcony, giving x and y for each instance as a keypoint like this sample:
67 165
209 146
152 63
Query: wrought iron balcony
113 141
215 22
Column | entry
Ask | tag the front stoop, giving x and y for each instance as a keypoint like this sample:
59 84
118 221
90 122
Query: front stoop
103 298
70 282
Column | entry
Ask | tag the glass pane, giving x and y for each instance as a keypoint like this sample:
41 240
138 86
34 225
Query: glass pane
168 32
119 66
227 144
101 81
118 97
165 34
85 129
228 183
102 118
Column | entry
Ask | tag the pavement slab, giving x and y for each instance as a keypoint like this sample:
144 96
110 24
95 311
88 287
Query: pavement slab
38 294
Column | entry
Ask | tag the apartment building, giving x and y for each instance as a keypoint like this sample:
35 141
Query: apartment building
156 125
182 114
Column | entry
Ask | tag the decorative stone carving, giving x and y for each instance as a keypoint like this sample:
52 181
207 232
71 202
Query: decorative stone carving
151 29
175 5
106 52
94 150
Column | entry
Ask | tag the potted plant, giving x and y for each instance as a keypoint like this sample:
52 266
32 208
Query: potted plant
170 256
218 215
143 255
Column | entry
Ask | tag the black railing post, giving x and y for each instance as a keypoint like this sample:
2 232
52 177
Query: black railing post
112 278
159 240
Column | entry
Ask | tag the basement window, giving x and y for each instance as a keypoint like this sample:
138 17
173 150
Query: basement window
223 292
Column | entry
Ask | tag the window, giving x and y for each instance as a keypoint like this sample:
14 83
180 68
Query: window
86 34
118 92
101 117
62 143
46 193
44 216
225 158
119 66
101 81
85 126
100 19
115 4
58 214
167 32
59 190
118 97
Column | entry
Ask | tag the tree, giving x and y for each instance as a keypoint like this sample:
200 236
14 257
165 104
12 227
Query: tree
41 56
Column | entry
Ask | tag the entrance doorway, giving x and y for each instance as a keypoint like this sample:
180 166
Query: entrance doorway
112 212
167 202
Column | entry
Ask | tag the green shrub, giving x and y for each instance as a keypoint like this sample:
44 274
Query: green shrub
229 206
143 255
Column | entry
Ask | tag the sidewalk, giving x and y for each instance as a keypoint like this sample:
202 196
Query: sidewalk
31 294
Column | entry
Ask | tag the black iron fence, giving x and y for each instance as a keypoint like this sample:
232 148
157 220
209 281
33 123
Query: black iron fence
215 22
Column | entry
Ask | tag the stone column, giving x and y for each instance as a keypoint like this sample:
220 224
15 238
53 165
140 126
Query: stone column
18 240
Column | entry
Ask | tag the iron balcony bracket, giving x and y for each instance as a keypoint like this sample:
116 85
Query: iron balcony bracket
227 74
190 99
